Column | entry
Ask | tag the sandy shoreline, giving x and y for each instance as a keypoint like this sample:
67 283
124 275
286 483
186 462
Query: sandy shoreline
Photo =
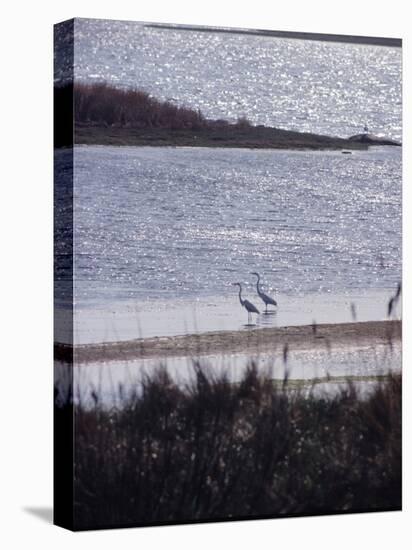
248 341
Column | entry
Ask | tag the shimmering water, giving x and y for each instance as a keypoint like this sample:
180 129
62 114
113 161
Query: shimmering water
166 223
303 85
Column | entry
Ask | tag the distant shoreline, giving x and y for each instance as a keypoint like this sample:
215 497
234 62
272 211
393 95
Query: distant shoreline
252 137
251 342
107 115
343 38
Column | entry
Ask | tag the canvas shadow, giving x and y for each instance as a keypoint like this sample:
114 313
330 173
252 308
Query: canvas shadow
43 513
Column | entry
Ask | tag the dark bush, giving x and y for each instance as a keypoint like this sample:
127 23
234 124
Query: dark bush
101 104
214 449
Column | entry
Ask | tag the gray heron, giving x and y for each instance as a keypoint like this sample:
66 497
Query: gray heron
264 297
250 308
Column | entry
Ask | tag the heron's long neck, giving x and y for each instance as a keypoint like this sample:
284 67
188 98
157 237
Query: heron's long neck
257 284
240 295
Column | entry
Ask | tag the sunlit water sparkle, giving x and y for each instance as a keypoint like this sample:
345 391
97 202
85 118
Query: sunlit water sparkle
304 85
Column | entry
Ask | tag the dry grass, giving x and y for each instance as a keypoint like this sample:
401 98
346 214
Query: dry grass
103 104
217 450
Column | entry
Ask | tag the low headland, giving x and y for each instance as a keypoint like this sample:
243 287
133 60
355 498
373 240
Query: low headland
106 115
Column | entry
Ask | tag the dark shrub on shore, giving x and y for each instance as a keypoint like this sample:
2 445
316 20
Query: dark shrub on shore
216 450
106 105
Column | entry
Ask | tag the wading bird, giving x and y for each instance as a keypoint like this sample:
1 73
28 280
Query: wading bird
246 304
267 299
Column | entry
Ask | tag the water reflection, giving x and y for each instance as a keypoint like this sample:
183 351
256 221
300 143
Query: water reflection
267 319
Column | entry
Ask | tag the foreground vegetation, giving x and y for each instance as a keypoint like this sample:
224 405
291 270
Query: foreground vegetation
107 115
217 450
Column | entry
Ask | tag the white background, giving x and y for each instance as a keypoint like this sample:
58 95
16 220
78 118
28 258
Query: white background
26 272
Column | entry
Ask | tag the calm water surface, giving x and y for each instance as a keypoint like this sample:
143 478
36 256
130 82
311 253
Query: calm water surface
166 230
154 223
